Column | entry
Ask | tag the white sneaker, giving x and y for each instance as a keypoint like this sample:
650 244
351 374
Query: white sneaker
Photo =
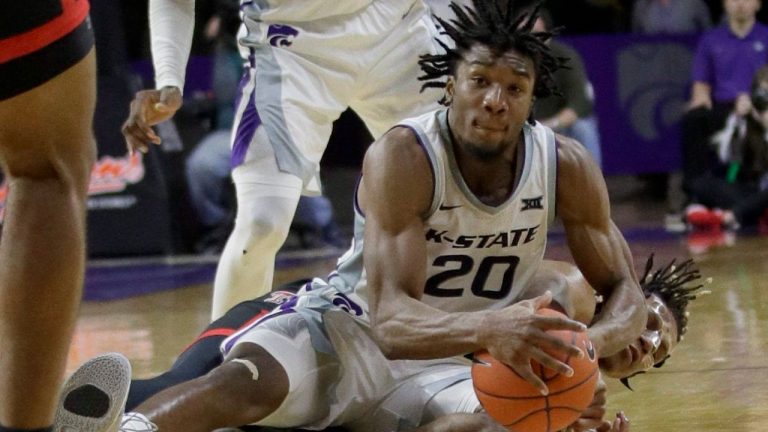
135 422
673 223
93 398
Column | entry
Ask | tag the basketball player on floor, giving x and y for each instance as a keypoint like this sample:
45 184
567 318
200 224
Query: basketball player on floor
667 291
47 97
452 214
288 100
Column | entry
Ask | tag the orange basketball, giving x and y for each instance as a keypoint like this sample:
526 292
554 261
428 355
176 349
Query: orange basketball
519 406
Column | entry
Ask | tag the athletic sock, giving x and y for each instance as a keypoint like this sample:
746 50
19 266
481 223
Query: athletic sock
136 422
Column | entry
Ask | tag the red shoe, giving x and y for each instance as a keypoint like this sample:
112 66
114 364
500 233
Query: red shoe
704 219
699 242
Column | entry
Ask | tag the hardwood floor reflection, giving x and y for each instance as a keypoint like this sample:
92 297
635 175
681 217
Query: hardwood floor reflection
717 376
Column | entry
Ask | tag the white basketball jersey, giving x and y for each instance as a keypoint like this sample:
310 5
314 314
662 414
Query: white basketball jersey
478 256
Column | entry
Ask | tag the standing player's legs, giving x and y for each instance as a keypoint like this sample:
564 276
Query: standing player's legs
280 134
246 266
46 149
390 91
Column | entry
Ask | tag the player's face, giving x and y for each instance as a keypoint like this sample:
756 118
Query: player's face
492 96
654 345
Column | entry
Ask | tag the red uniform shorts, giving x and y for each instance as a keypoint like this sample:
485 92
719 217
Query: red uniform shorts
40 39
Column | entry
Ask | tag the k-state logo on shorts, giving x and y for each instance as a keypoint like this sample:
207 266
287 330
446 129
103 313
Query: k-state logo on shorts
280 35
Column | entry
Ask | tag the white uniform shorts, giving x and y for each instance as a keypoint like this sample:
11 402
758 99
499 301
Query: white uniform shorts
354 384
303 72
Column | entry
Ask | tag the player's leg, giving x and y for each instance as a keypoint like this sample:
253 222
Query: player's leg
391 91
246 266
280 133
47 150
203 354
272 376
231 395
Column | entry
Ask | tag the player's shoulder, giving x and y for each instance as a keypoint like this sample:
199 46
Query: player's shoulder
577 170
396 167
570 152
397 148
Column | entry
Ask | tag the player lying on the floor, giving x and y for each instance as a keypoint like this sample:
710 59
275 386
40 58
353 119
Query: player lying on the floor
667 291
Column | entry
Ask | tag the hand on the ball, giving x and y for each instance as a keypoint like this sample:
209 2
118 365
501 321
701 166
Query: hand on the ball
148 108
620 424
592 417
516 335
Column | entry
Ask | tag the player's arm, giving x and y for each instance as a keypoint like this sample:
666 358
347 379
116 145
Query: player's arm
395 194
598 248
171 25
571 294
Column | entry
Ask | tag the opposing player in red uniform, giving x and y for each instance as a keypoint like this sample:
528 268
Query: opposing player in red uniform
47 98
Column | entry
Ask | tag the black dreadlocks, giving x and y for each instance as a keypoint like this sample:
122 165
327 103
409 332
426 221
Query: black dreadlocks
501 26
669 283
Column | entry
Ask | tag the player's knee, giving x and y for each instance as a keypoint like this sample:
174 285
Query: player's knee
58 164
252 381
80 163
265 230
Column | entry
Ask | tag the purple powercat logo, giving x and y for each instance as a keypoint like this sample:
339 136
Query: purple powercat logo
280 35
347 304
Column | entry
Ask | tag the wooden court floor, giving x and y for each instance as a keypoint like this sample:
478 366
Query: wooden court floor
716 380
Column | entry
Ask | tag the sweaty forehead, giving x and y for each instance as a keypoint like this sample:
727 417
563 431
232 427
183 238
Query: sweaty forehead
482 55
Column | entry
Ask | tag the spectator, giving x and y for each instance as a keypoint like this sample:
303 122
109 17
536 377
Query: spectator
222 28
670 16
210 190
735 193
726 59
572 113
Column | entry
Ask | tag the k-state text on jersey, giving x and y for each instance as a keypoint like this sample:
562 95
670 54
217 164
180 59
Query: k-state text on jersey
505 239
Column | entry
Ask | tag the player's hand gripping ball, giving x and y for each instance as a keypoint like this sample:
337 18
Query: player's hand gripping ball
519 406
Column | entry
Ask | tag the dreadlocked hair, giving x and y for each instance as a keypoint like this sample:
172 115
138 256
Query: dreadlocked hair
501 26
669 283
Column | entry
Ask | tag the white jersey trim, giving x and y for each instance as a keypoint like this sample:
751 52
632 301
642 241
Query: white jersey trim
551 176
